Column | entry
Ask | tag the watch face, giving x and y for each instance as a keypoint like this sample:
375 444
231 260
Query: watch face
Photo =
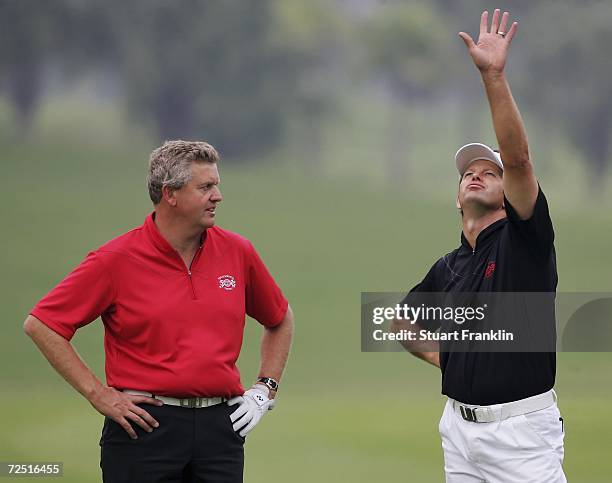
271 383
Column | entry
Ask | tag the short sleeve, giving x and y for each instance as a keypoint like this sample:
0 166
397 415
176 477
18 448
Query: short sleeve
418 295
537 232
428 284
265 301
79 299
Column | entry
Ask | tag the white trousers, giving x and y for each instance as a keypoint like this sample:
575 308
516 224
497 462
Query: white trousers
522 449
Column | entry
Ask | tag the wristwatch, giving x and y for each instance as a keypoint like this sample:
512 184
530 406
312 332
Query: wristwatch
268 381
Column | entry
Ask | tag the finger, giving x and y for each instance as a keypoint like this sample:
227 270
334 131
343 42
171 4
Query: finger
145 400
511 32
504 23
139 421
484 20
127 427
238 413
235 400
469 41
246 419
146 416
248 428
495 21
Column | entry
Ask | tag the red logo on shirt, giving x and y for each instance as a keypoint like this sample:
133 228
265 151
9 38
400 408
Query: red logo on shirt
227 282
490 269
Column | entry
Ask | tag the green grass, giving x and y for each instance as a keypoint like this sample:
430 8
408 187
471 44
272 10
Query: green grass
342 414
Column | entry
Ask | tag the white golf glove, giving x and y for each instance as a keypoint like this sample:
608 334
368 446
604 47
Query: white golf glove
252 405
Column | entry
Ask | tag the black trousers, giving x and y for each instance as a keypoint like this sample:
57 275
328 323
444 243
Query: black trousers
190 445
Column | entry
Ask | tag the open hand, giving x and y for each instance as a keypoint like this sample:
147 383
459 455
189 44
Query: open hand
491 51
121 407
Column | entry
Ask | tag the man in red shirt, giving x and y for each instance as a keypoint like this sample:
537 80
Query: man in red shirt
173 295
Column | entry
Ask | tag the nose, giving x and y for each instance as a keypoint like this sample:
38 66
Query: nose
216 195
475 177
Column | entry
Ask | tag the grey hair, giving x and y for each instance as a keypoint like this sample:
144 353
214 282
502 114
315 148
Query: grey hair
170 165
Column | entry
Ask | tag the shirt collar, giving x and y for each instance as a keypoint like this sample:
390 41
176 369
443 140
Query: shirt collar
157 238
486 234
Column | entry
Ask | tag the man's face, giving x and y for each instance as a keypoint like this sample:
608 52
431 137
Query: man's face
481 187
197 200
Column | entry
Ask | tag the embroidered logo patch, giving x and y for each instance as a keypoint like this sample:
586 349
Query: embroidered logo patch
227 282
490 269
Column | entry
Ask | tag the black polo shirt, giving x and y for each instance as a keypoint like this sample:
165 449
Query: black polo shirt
511 255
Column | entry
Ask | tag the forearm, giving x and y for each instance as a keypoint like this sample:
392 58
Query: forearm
507 121
62 356
275 346
432 357
427 350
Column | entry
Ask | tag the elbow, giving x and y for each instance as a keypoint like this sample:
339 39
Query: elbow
519 160
396 325
519 164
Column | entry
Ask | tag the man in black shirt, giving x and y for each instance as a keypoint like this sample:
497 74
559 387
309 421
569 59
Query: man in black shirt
501 422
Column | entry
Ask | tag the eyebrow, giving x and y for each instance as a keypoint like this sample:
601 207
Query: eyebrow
206 183
469 171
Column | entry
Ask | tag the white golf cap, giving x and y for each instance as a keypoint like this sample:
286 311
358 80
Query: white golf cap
473 152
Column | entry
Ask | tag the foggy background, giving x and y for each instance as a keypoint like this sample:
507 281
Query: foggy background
337 123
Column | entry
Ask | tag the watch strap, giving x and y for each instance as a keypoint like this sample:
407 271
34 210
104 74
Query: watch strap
272 384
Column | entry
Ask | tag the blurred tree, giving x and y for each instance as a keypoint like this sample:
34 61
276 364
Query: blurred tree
569 71
467 12
317 34
229 71
30 32
207 69
407 46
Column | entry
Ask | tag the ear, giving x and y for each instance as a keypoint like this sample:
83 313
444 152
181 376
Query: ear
457 204
169 195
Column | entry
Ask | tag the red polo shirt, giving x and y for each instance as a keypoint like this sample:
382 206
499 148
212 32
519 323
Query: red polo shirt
169 330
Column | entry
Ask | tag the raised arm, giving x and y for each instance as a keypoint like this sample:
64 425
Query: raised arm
489 55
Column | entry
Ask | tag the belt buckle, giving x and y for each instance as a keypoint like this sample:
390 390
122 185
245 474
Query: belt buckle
468 414
191 402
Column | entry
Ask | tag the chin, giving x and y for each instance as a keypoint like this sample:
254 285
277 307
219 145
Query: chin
205 222
479 197
479 203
